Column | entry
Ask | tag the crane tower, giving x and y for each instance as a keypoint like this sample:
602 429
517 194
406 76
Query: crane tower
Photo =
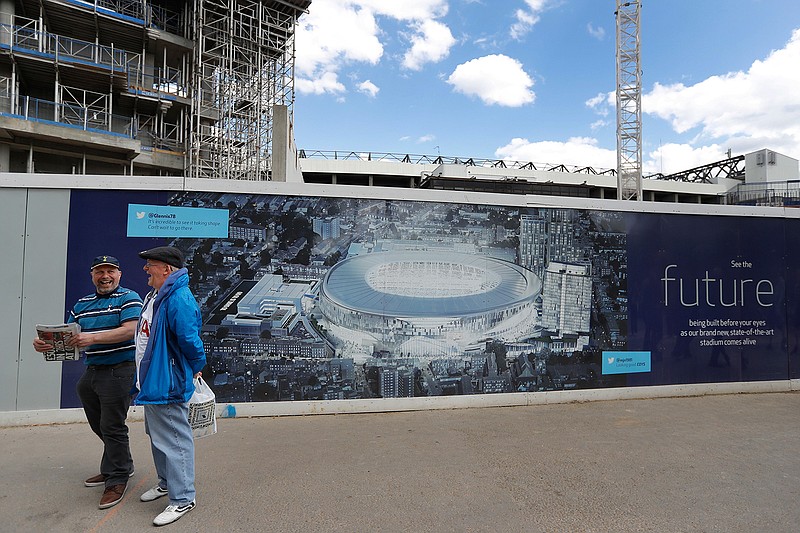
629 102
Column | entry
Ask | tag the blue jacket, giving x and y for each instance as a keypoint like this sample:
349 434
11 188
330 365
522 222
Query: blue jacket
174 351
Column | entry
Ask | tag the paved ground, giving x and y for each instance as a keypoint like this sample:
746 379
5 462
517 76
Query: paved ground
714 463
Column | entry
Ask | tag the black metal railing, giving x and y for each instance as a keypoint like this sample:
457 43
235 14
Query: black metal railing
772 193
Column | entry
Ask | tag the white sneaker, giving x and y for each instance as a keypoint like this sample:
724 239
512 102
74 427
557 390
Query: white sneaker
172 513
153 494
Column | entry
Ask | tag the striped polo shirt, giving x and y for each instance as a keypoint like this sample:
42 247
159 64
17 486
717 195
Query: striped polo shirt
102 312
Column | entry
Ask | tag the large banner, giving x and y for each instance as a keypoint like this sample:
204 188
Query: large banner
333 298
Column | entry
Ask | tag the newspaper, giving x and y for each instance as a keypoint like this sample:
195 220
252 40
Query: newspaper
58 335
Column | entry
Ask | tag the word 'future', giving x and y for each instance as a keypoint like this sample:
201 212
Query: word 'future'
716 291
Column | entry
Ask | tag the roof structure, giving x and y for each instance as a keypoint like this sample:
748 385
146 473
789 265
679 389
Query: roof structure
408 284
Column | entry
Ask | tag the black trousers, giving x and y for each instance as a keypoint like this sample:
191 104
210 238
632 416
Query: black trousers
105 392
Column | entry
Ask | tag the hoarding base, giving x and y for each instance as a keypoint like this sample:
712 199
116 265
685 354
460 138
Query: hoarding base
386 405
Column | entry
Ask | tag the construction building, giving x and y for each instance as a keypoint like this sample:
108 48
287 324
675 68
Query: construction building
196 88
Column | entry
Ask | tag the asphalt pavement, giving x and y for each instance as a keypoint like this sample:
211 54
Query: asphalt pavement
726 463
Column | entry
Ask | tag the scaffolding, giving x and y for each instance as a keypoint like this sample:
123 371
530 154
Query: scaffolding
243 66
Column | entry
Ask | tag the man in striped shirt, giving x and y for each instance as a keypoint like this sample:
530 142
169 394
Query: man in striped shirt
108 320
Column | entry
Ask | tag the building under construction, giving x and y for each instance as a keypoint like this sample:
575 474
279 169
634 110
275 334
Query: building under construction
198 88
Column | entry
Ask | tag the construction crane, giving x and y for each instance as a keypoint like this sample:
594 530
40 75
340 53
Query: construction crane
629 102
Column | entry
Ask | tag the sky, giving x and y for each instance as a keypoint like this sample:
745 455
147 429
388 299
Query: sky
534 80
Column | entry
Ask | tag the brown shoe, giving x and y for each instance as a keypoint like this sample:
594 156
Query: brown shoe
113 495
99 479
95 481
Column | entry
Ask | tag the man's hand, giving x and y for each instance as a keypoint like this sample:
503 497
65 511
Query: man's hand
121 333
40 346
81 340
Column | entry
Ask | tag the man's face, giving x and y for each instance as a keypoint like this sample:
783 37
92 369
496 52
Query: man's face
106 278
157 273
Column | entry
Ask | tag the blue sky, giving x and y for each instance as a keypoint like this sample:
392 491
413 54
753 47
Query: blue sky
534 80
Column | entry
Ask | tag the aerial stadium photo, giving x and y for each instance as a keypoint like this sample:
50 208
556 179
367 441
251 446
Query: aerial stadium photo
313 297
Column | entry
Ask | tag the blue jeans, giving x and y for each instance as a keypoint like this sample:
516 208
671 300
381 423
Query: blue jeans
105 392
173 449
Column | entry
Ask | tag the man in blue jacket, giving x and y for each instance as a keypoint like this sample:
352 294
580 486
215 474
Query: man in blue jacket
169 354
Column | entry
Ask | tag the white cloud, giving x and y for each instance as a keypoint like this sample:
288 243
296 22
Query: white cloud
580 151
524 23
598 33
525 19
431 43
671 158
368 88
413 10
426 138
327 82
335 34
538 5
331 34
584 151
743 111
495 79
751 110
603 103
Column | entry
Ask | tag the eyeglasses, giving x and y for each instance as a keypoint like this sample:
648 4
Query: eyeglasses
149 265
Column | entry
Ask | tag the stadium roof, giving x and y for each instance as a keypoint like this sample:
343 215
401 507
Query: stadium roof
409 284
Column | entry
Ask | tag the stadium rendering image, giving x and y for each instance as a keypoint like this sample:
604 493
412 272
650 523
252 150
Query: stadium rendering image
427 303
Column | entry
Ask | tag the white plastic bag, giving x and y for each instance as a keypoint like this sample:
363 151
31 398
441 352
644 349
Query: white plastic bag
202 410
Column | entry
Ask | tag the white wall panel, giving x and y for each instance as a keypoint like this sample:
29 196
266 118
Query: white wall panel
43 288
12 231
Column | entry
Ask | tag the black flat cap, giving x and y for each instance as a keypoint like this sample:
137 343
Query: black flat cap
166 254
104 260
